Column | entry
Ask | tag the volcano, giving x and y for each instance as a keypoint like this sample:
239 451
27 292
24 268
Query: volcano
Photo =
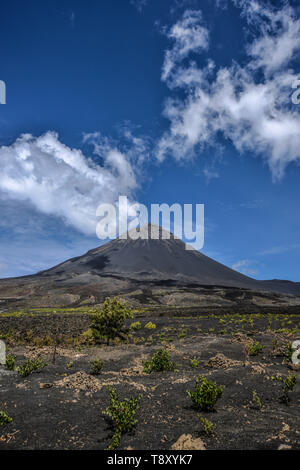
158 258
155 260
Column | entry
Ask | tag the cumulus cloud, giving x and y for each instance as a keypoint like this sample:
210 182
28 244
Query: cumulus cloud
279 38
249 104
58 180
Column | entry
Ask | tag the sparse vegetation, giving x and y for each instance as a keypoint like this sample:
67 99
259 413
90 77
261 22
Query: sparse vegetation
194 362
182 333
4 418
253 349
256 400
109 322
96 366
122 414
289 351
136 325
205 395
247 386
32 365
208 426
10 362
150 325
159 362
288 385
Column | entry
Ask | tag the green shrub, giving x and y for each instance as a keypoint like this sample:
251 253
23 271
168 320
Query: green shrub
29 335
96 366
32 365
150 325
205 395
88 336
288 383
159 362
253 349
109 321
10 362
194 363
136 325
4 418
208 426
256 400
122 414
289 351
182 333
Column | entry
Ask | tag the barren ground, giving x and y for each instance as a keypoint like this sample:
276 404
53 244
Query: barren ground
61 406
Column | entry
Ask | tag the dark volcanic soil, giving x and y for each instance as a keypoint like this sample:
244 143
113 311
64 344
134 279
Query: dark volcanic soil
66 412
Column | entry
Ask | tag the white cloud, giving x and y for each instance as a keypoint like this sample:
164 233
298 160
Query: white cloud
243 266
249 104
61 181
188 35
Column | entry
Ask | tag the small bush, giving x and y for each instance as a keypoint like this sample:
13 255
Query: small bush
289 351
208 426
205 395
136 325
88 336
256 400
182 333
288 385
253 349
10 362
29 335
96 366
32 365
4 418
150 325
194 363
122 414
109 321
159 362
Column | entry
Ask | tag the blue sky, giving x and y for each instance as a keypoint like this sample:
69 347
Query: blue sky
164 101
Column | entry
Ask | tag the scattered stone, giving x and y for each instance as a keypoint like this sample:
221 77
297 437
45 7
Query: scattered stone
284 447
257 369
222 362
187 442
45 385
80 381
35 352
239 338
280 348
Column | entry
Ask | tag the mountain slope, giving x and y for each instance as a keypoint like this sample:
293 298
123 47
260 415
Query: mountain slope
160 259
153 260
157 271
